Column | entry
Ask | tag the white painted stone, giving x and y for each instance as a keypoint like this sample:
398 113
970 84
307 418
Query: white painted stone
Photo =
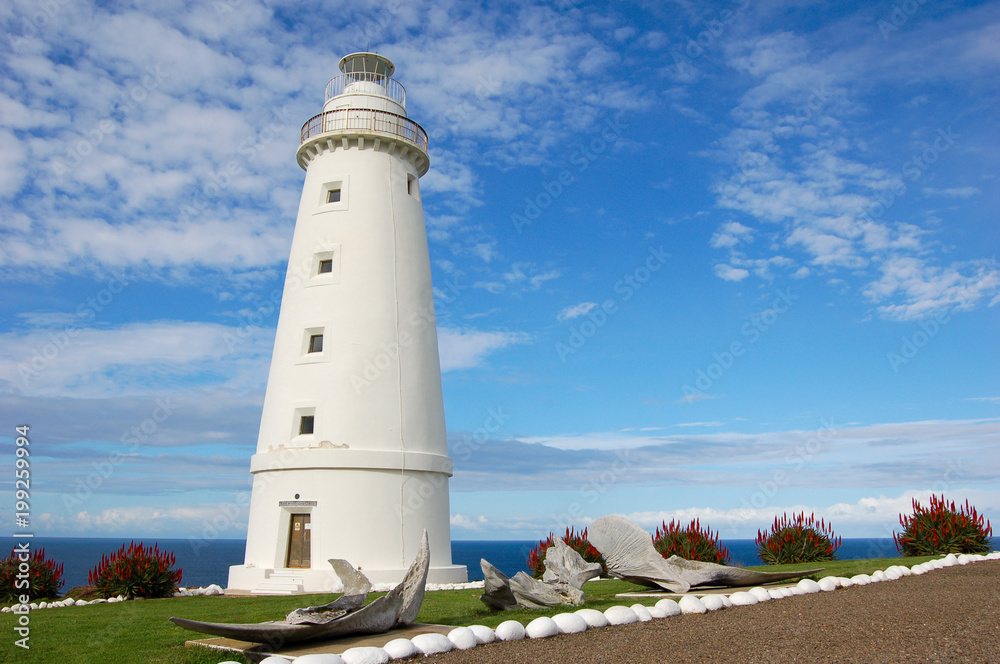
918 570
965 559
274 659
775 593
463 638
828 583
642 612
726 603
324 658
430 644
483 634
510 630
570 623
861 579
364 655
950 560
808 585
878 576
620 615
760 593
691 604
401 649
893 574
742 598
844 582
795 590
713 602
669 606
541 628
657 612
593 617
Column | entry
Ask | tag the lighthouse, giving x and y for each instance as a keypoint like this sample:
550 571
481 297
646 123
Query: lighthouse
352 457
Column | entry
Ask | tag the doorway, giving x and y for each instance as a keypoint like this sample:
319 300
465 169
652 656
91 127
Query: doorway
299 548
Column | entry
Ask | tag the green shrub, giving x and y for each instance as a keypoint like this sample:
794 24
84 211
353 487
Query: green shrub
797 540
576 541
943 528
136 571
690 542
44 577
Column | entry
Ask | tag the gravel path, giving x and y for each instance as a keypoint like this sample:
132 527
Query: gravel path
946 615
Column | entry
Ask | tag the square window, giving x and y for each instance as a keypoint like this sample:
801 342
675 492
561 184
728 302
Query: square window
325 266
333 196
306 424
316 343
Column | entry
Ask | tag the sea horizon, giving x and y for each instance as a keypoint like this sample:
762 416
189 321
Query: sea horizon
206 562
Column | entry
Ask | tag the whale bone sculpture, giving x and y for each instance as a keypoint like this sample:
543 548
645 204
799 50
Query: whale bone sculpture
342 617
562 583
501 592
630 555
564 565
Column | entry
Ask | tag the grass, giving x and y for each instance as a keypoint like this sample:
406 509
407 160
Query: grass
140 632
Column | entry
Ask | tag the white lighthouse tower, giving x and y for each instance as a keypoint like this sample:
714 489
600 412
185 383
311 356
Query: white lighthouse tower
352 459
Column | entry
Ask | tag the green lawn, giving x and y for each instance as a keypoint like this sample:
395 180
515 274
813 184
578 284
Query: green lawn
139 632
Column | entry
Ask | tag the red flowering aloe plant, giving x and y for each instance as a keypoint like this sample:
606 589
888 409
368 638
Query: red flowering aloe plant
136 571
943 528
797 540
690 542
576 541
44 577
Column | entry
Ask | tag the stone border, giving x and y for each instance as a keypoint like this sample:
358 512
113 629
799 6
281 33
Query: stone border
464 638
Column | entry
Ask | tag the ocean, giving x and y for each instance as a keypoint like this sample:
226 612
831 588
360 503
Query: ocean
204 563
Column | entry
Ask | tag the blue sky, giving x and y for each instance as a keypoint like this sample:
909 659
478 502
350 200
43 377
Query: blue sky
718 260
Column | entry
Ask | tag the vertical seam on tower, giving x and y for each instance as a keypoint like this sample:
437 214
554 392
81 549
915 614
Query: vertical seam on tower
399 366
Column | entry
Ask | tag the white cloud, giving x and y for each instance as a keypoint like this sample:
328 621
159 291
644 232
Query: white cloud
731 234
575 311
730 273
145 521
926 290
466 348
955 192
870 516
73 360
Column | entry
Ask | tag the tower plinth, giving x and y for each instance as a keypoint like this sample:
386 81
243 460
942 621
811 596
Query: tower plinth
352 458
